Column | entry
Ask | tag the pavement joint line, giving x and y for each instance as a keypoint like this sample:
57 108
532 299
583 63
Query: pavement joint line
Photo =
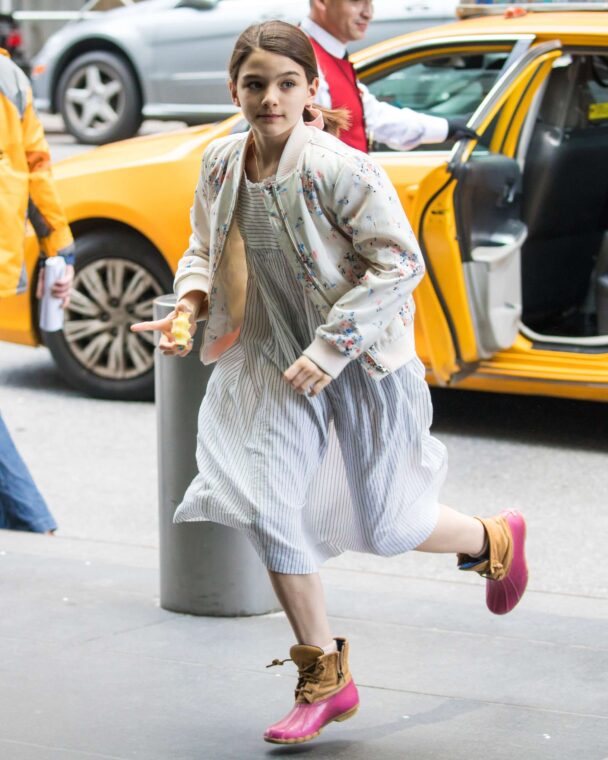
83 752
360 684
459 583
376 573
112 634
82 540
498 703
153 547
472 634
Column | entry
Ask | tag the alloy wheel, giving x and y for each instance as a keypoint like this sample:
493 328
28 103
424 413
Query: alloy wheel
108 296
94 99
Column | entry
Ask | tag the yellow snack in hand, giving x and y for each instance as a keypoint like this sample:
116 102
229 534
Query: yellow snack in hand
180 329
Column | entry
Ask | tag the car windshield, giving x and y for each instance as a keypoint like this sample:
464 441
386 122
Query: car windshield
444 86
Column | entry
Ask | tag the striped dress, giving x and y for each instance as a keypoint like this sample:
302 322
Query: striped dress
354 468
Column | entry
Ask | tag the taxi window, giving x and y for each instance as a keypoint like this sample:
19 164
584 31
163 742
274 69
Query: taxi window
597 111
577 95
447 86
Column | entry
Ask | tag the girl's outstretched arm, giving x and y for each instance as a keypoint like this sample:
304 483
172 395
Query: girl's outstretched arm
193 268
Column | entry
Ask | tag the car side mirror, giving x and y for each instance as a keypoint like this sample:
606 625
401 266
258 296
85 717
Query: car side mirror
201 5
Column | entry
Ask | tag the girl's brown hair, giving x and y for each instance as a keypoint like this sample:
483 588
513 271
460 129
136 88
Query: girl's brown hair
285 39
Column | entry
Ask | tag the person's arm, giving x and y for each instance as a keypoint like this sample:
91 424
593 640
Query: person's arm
44 207
191 282
400 128
45 211
366 209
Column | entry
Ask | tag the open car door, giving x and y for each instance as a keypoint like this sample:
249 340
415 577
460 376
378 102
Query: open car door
467 218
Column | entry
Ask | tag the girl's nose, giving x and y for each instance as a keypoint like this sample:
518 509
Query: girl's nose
270 96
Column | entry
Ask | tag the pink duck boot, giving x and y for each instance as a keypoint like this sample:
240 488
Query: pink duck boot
325 692
504 564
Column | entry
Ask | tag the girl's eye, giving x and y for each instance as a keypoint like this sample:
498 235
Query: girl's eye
253 85
289 83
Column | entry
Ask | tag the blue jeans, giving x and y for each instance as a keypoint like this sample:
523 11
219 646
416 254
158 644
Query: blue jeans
21 504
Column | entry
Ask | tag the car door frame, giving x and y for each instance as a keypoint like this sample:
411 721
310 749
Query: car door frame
453 340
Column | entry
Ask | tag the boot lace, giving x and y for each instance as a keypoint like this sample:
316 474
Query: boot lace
306 676
279 662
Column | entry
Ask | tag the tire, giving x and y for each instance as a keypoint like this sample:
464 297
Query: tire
99 98
117 277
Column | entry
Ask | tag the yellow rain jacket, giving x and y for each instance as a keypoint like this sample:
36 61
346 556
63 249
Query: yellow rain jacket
27 189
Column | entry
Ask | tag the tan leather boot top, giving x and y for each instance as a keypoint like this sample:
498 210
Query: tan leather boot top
320 675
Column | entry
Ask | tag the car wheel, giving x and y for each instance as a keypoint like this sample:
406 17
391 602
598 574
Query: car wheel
99 98
117 278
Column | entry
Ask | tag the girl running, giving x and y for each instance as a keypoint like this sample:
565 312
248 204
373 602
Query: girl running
314 430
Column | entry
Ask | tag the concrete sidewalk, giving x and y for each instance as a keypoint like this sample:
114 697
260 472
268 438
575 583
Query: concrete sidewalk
91 667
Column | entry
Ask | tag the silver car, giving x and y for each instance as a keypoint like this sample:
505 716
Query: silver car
167 59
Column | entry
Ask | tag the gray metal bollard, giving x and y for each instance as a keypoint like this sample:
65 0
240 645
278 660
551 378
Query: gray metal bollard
205 568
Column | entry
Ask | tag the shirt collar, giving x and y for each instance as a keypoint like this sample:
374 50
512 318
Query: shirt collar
325 39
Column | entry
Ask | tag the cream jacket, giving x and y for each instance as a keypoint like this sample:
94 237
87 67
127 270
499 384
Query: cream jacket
339 221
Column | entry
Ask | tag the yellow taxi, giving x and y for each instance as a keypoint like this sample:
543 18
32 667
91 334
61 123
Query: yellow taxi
514 228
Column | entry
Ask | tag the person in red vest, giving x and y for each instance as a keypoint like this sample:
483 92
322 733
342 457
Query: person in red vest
330 25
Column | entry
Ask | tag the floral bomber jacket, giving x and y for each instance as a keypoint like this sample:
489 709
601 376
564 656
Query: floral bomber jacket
339 220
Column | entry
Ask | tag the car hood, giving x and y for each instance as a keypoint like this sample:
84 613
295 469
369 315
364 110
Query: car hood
151 149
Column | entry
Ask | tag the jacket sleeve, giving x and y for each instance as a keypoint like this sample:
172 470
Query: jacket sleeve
400 128
44 209
367 210
193 268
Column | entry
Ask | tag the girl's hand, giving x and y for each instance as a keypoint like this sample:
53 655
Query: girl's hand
167 343
61 288
305 377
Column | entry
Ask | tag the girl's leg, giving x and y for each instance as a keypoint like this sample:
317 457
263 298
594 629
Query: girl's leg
325 691
492 547
455 533
303 600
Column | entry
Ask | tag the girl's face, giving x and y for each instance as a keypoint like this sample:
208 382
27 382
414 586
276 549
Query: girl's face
272 91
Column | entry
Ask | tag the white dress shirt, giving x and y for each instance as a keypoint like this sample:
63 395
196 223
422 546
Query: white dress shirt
399 128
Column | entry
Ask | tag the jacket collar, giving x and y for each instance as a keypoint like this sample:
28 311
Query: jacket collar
294 146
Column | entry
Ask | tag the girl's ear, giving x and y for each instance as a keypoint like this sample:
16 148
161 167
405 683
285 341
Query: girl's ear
233 95
312 91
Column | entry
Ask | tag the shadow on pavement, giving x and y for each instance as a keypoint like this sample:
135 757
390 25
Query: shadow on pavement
529 419
323 747
37 372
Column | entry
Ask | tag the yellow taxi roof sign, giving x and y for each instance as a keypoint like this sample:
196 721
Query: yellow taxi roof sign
508 8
